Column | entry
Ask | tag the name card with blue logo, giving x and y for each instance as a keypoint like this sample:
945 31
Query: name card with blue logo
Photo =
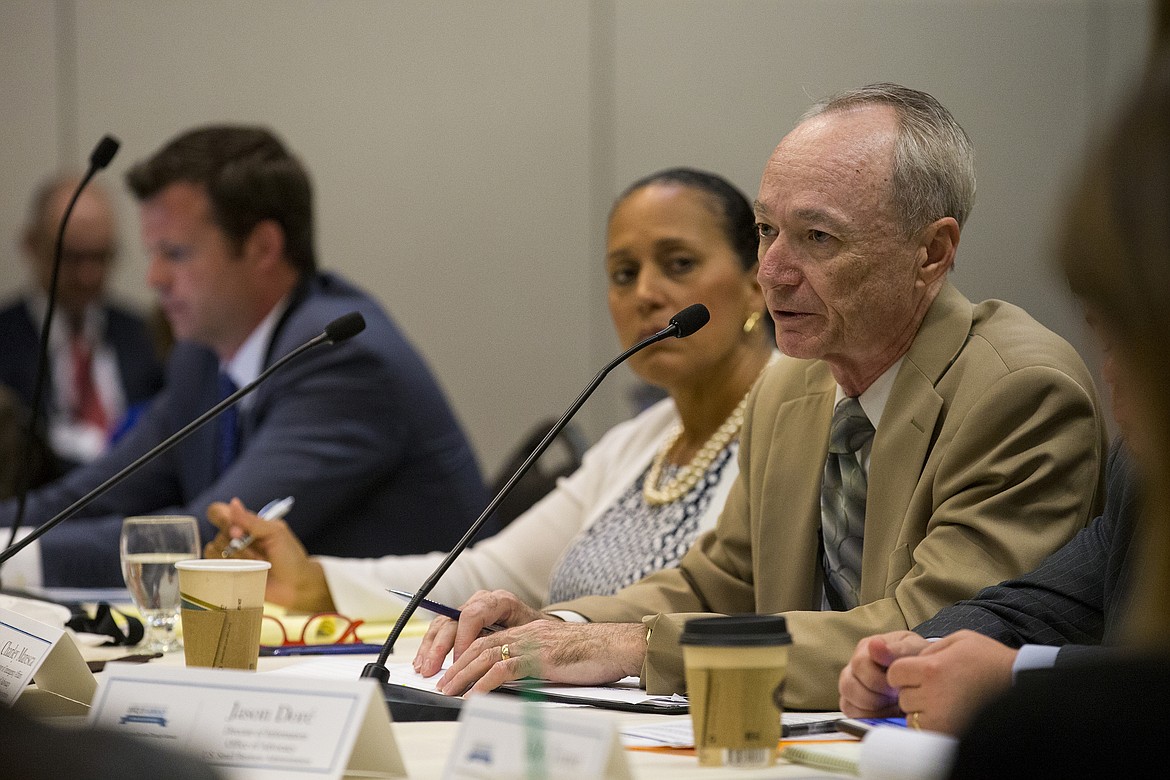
254 726
32 651
505 737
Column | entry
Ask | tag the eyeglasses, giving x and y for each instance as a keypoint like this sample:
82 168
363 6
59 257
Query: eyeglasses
324 628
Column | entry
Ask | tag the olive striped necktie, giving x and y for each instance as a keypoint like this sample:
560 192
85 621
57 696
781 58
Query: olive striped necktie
843 504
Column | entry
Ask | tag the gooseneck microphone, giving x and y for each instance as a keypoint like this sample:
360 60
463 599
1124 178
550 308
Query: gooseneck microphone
102 154
413 706
99 158
342 328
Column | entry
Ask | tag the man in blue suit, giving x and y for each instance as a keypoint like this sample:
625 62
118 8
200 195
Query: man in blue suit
359 433
102 364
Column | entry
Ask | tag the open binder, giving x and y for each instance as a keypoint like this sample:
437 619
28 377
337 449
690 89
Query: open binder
615 697
411 697
408 703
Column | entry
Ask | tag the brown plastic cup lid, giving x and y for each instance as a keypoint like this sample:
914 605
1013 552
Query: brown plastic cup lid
737 630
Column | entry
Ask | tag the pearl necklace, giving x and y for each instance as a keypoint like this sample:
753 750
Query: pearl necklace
688 476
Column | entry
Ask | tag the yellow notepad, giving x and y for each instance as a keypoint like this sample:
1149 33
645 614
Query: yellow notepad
834 756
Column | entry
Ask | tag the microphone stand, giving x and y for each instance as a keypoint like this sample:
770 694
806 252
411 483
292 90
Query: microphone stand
99 158
682 324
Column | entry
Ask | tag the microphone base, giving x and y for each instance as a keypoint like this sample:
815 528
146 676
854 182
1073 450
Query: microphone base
409 705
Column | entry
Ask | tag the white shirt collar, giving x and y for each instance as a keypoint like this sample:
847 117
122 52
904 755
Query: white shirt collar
93 325
246 365
873 401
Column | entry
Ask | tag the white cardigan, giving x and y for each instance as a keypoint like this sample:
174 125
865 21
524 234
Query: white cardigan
521 557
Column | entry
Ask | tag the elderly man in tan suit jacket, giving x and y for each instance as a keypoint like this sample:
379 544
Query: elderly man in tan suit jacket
989 443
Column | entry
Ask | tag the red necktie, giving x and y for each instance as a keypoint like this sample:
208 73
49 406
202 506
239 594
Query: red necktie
89 403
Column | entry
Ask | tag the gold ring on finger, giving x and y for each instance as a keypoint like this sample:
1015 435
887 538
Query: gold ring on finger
505 653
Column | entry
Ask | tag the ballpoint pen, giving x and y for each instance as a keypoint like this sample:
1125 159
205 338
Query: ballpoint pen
273 510
811 727
350 648
441 609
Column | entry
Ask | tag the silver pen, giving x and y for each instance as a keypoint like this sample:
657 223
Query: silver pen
273 510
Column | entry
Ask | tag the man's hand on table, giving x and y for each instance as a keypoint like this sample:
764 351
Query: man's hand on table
537 645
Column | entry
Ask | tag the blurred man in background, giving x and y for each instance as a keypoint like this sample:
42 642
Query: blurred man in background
359 433
102 364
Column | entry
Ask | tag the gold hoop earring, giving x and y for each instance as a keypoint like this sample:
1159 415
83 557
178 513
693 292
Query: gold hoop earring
750 324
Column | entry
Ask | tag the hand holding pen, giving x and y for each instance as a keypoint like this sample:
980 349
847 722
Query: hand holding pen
441 609
273 510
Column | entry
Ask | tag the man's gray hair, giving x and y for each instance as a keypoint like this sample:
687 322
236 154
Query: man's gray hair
934 162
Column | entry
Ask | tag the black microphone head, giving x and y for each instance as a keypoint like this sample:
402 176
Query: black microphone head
345 327
103 152
690 319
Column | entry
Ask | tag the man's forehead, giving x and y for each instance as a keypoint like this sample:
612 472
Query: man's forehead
852 136
184 199
842 151
93 202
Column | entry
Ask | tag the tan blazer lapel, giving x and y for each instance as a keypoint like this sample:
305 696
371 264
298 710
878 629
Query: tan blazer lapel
793 477
904 437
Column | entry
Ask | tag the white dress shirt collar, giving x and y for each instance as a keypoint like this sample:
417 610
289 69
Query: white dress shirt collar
93 325
245 366
873 401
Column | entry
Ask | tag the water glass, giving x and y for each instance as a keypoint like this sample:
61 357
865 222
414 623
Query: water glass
150 547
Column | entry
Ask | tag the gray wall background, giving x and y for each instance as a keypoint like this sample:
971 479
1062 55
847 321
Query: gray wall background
465 153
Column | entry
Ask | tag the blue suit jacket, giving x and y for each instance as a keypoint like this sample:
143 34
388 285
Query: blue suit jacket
358 432
1076 598
127 334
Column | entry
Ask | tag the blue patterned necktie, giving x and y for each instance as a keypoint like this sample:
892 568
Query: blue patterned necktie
228 428
843 504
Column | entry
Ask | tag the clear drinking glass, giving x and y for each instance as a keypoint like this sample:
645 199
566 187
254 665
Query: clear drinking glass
150 548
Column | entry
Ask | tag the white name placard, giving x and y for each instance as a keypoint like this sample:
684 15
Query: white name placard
34 651
254 726
503 737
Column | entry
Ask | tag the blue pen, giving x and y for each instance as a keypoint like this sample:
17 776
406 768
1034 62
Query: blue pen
272 510
441 609
811 727
351 648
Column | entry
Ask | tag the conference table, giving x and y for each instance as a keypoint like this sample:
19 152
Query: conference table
424 746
